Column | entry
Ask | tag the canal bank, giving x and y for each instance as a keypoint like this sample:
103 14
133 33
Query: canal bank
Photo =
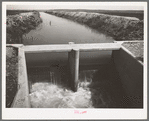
118 27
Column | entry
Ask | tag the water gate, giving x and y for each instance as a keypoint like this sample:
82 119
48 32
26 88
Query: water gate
71 66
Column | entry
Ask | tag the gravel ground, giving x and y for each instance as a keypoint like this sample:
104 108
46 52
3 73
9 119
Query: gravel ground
11 75
136 48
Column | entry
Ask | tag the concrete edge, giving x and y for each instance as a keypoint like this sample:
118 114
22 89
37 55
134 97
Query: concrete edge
69 47
21 99
15 45
129 52
129 41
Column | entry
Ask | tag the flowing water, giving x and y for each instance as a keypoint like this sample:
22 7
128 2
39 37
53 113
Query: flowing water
54 94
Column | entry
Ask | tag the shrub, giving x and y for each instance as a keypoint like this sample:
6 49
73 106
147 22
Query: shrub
20 24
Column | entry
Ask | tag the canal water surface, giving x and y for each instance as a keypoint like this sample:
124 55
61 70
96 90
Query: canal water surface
56 30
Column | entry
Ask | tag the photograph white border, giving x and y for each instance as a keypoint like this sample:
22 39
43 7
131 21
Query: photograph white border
45 113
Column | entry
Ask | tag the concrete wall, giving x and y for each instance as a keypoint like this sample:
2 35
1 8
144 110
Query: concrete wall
21 99
51 58
131 74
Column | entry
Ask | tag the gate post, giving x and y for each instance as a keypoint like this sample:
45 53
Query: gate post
73 63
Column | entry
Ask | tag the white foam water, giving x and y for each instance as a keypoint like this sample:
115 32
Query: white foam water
47 95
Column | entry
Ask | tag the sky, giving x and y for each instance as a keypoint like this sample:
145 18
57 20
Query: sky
72 5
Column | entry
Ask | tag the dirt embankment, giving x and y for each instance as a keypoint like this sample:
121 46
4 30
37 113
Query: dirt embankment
119 27
19 24
11 74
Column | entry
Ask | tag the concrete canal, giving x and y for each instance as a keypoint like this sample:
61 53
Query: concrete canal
99 85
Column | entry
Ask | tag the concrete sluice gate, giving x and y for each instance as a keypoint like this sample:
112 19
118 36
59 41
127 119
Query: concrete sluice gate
99 85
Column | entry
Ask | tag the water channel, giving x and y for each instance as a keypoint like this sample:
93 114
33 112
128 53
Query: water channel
45 92
56 30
